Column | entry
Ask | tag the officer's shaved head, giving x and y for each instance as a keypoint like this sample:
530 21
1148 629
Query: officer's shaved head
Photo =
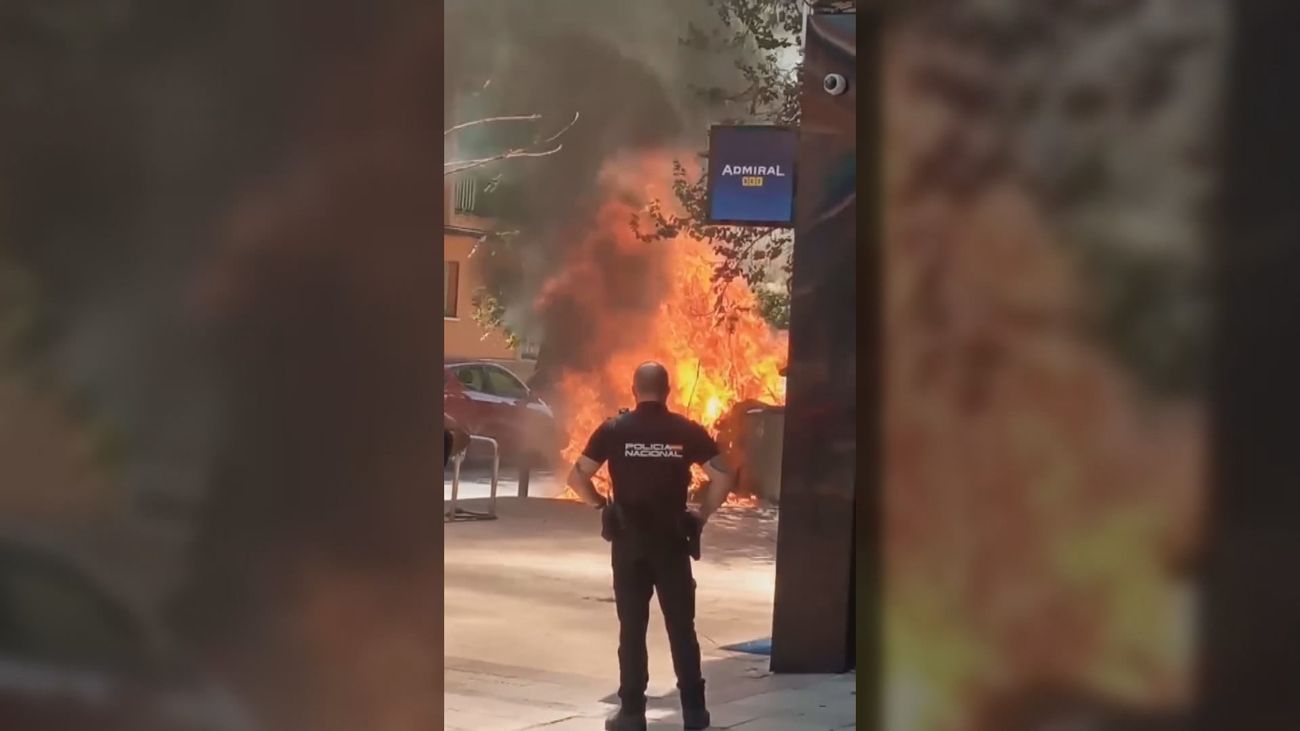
650 382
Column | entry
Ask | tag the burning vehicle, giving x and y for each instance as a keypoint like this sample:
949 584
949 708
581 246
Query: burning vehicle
620 299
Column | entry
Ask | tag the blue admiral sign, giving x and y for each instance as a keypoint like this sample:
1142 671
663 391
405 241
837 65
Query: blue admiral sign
751 175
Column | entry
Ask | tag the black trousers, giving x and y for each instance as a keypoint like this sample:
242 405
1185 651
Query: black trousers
637 575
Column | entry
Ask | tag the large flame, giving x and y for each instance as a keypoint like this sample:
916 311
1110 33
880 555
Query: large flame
711 337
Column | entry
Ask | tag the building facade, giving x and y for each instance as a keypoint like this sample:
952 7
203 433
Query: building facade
464 232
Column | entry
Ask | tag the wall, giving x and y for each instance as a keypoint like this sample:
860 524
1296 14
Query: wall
462 337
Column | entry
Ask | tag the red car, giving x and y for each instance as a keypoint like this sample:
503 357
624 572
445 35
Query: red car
490 401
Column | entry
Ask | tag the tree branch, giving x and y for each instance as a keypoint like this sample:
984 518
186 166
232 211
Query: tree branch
492 120
460 166
564 129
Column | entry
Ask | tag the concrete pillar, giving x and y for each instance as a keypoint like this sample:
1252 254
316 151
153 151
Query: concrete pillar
1251 617
822 473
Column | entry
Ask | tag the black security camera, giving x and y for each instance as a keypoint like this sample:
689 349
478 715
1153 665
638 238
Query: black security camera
835 84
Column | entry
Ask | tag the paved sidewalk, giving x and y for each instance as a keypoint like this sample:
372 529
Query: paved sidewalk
531 635
512 699
515 699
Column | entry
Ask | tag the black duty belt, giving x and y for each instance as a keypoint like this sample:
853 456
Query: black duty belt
615 526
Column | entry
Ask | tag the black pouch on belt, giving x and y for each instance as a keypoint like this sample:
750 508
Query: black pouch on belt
693 528
609 523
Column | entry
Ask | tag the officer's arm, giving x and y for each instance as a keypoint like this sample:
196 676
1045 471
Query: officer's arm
721 480
580 480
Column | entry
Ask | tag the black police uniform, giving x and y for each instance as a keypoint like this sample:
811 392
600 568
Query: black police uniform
650 451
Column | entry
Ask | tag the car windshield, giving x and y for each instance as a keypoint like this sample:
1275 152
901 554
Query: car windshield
502 383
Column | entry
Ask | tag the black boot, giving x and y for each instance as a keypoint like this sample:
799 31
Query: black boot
695 718
695 714
626 719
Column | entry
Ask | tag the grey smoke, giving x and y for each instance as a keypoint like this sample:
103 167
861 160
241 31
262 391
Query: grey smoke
623 69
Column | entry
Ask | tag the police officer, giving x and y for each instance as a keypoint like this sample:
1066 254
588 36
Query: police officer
650 451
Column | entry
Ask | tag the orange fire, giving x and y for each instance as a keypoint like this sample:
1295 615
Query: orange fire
712 338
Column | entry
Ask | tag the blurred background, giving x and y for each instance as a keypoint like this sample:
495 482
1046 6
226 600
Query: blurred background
1089 222
1051 170
217 407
